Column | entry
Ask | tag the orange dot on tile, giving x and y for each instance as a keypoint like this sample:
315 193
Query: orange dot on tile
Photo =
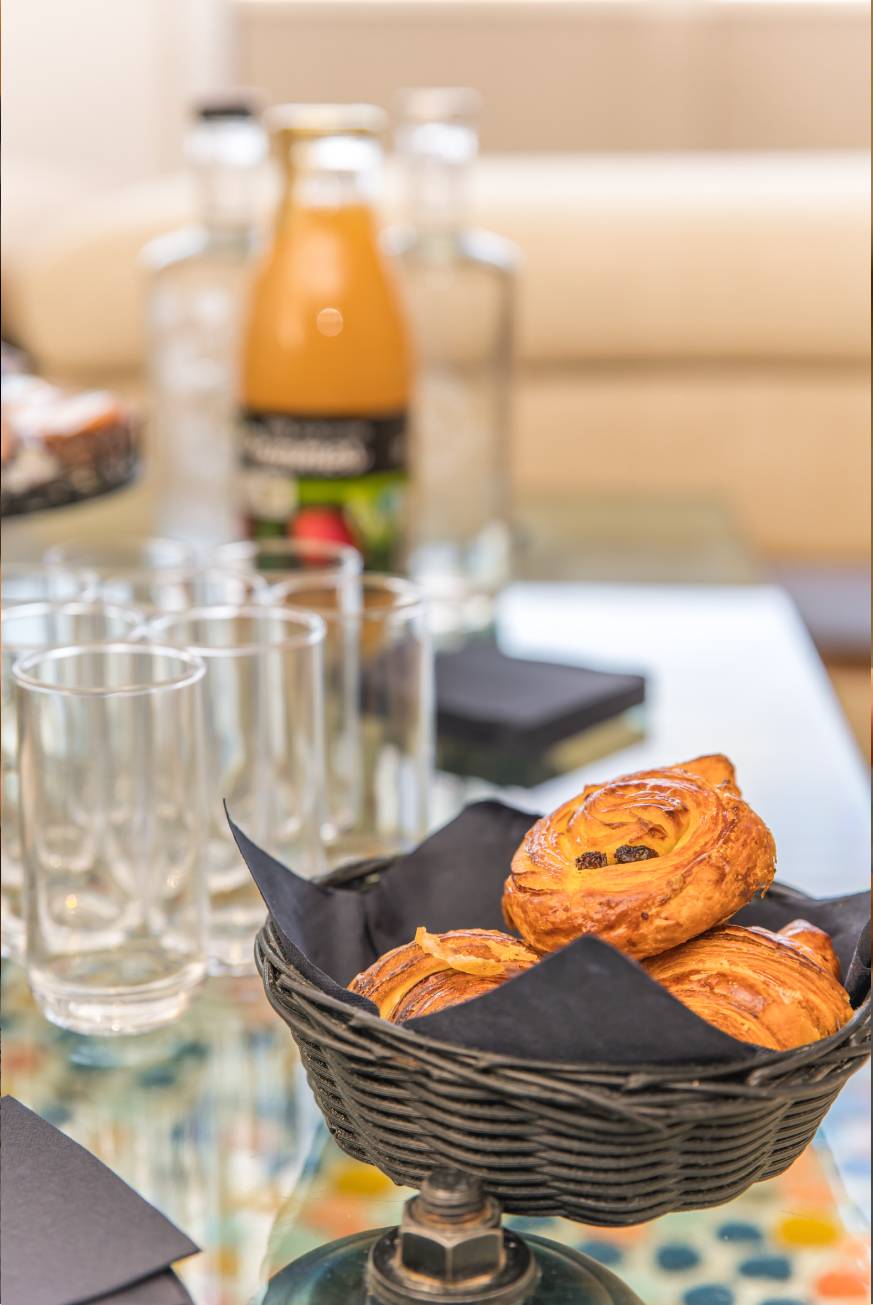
843 1284
361 1180
808 1230
226 1261
336 1216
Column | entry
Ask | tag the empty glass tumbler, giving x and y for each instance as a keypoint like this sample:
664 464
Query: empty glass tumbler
180 590
112 822
379 711
142 571
34 582
32 627
264 754
128 552
279 558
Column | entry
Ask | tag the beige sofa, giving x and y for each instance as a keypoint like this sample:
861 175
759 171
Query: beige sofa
687 323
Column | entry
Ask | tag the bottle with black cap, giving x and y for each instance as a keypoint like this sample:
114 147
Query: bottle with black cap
449 1249
197 281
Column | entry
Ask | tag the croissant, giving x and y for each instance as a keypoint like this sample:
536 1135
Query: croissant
814 941
761 987
645 861
441 969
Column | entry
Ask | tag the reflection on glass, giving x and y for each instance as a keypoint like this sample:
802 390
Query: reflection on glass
378 694
264 753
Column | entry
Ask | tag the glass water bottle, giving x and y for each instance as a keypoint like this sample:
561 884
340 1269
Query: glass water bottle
459 282
198 278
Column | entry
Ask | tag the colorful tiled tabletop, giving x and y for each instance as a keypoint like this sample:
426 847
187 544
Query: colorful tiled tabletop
212 1121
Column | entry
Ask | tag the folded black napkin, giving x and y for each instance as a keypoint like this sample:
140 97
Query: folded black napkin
586 1002
499 718
514 703
160 1289
72 1230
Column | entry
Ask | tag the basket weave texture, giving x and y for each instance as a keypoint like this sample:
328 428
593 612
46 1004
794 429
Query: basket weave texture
598 1143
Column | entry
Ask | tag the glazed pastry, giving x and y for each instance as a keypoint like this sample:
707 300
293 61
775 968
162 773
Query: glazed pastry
645 861
441 969
758 986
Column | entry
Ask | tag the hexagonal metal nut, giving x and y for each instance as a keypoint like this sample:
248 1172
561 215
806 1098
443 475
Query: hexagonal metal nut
448 1252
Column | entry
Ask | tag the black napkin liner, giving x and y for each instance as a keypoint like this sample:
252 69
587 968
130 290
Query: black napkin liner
586 1002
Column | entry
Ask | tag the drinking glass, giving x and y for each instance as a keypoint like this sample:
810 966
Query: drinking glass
280 558
264 754
127 553
112 818
34 582
181 589
379 711
30 628
141 571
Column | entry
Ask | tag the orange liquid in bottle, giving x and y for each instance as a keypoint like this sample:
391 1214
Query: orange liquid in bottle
325 328
325 383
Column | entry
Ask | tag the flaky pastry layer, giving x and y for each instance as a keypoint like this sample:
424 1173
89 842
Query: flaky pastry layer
437 970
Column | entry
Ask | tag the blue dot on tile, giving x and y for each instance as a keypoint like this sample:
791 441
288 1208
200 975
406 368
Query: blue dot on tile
523 1222
57 1115
606 1253
261 1037
192 1050
676 1256
776 1267
711 1293
739 1231
158 1076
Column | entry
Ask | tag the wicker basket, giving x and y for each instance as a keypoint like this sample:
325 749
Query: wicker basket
593 1142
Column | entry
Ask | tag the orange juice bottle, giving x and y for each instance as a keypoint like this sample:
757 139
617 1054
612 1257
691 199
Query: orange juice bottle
326 359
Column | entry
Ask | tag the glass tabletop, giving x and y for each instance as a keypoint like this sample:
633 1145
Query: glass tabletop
212 1121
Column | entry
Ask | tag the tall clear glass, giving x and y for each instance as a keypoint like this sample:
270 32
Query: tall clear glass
112 816
264 750
32 627
128 553
379 712
156 575
279 558
157 592
34 582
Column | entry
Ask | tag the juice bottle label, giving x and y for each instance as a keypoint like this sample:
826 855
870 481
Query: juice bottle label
338 478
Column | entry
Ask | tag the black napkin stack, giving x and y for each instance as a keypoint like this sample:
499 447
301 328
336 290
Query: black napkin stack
498 717
72 1231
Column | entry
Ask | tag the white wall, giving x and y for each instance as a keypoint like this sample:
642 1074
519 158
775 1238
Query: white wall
100 87
585 74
